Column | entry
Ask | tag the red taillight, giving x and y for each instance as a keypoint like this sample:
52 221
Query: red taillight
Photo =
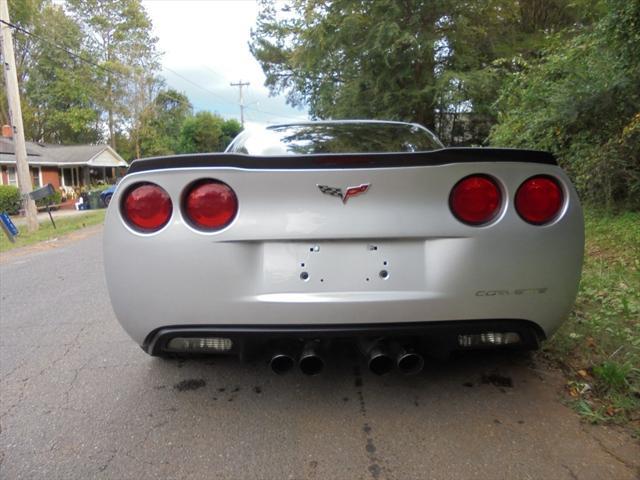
539 200
147 207
210 205
475 199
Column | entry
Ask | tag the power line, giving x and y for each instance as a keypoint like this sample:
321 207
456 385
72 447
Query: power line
60 47
210 92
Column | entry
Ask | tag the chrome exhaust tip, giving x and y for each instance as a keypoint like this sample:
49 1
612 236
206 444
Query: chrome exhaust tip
281 363
311 363
379 362
375 351
409 362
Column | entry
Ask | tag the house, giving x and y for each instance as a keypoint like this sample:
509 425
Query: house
72 166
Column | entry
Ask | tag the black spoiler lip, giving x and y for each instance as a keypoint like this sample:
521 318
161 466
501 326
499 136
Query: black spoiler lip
443 156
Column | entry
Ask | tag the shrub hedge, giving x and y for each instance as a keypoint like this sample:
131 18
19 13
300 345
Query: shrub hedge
9 199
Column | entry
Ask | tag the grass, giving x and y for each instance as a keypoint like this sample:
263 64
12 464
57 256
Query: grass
47 232
599 345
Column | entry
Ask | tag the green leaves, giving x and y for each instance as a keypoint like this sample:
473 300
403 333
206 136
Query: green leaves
117 34
207 132
582 102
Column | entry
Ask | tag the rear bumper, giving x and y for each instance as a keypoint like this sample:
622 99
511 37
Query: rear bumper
431 337
298 259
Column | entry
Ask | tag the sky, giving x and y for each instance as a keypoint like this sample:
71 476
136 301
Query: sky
206 42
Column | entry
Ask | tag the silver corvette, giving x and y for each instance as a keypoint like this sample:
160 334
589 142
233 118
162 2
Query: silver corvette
371 234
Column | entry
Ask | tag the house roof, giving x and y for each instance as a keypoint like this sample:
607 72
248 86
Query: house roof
62 155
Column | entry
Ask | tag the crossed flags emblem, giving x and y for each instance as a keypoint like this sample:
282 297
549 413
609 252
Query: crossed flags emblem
350 192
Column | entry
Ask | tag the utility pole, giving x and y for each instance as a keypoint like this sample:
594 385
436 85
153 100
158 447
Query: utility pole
240 84
15 117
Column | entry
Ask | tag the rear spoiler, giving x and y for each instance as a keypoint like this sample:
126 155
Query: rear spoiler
340 160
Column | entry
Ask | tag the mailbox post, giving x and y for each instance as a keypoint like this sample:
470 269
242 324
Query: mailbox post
41 193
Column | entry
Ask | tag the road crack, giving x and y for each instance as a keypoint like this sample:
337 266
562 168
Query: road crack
377 465
604 448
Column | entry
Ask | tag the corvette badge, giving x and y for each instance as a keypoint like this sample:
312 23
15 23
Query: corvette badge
350 191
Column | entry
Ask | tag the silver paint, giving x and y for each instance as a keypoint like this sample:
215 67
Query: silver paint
250 272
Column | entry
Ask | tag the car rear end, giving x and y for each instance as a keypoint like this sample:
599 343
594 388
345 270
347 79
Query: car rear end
443 250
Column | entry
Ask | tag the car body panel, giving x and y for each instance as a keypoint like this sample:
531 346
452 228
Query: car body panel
439 269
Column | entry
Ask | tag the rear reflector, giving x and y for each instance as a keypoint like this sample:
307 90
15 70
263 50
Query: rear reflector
539 200
488 338
146 207
210 205
475 200
200 345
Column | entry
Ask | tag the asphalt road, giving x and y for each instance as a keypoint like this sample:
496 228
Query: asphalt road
78 399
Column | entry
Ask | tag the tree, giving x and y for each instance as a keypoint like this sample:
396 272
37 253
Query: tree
206 132
119 35
161 124
432 62
352 58
56 89
59 89
230 129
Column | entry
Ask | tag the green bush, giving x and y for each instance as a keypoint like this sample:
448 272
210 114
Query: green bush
9 199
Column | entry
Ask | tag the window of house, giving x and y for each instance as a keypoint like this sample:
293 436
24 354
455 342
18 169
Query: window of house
68 176
11 176
35 177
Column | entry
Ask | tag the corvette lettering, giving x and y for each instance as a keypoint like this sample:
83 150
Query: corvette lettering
517 291
349 192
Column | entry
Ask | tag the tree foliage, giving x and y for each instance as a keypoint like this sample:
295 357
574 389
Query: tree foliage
59 89
118 34
207 132
161 123
431 62
581 100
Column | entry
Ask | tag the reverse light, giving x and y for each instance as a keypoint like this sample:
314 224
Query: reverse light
200 345
475 200
539 199
146 207
210 205
488 338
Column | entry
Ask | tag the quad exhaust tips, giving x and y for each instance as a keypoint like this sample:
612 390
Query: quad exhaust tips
311 363
381 358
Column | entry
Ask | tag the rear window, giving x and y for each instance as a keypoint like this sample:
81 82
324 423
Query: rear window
336 138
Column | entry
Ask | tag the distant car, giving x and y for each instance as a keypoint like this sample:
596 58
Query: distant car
107 195
362 232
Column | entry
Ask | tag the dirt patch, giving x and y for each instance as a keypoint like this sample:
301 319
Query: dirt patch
497 380
191 384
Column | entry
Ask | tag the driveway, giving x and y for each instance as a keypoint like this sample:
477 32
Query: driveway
78 399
